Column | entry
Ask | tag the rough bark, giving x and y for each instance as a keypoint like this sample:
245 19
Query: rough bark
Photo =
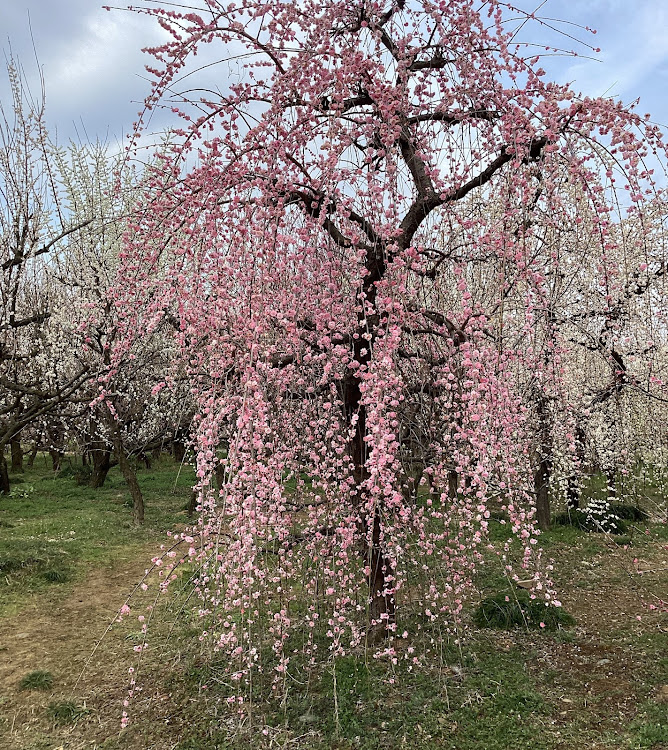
127 471
192 504
133 485
4 474
541 479
100 456
17 455
178 451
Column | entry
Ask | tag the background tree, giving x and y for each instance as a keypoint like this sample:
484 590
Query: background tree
34 378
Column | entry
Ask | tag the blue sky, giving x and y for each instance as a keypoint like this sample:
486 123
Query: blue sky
93 66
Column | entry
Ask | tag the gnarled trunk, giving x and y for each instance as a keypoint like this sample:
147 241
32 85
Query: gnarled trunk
133 485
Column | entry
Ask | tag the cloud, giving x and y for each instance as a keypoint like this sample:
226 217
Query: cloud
634 50
91 61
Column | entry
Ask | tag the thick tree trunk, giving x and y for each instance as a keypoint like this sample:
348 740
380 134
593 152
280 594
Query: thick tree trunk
382 608
378 570
17 455
543 471
100 455
4 473
192 504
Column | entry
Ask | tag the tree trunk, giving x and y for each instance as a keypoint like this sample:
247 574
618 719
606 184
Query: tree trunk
543 471
541 480
32 455
17 455
127 471
192 504
133 485
178 451
56 459
378 570
100 456
4 473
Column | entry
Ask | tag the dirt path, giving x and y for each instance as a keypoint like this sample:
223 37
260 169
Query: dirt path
58 634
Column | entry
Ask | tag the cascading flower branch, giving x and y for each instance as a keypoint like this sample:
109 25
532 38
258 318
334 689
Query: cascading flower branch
314 229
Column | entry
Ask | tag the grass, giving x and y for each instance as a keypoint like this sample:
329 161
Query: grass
594 685
53 535
66 712
649 729
517 609
37 680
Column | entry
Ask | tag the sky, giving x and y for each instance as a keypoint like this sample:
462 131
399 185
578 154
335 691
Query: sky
95 82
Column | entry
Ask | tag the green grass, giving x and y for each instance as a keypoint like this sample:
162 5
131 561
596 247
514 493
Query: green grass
512 609
37 680
649 729
53 534
495 689
66 712
477 698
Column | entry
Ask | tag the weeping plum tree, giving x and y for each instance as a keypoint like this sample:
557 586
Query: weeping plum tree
314 229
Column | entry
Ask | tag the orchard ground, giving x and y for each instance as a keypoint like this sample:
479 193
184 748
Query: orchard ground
69 556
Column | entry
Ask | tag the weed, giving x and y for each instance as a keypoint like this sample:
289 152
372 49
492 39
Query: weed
66 712
56 575
517 608
38 680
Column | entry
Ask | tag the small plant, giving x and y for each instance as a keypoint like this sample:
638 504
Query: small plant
38 680
56 576
506 611
66 712
22 492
